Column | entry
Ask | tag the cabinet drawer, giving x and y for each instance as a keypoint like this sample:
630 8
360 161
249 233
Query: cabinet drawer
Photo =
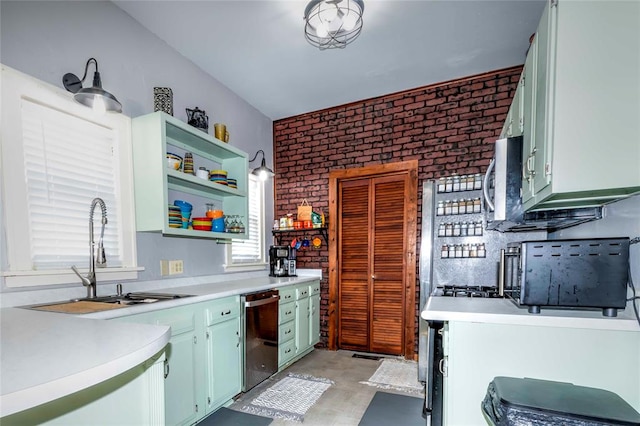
287 294
286 312
286 351
314 288
302 292
222 310
285 331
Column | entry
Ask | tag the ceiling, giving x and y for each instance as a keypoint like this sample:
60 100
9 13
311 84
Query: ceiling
258 49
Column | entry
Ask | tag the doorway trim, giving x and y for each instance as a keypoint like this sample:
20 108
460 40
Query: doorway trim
411 192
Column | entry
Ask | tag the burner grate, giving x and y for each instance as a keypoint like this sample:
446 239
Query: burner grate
467 291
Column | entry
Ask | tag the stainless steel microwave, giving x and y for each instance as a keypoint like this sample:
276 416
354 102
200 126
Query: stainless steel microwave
579 273
503 196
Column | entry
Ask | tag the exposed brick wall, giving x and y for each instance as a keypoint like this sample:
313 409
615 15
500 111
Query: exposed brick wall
449 128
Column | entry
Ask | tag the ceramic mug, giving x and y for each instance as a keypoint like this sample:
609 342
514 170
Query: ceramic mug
220 131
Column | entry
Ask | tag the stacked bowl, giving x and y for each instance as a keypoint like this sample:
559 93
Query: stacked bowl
175 217
232 183
202 223
185 212
218 176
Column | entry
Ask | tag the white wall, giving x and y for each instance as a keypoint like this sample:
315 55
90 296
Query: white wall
48 39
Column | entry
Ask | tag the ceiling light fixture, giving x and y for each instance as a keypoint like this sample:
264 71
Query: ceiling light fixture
94 97
332 24
263 172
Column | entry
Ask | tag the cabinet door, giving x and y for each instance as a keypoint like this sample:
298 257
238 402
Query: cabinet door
528 101
314 319
224 362
302 325
542 130
181 405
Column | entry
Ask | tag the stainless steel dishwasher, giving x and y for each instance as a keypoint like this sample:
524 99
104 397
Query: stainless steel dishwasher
261 336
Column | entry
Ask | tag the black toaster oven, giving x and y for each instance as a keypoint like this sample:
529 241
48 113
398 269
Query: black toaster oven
581 273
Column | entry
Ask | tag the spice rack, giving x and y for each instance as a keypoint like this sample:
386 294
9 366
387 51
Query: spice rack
459 220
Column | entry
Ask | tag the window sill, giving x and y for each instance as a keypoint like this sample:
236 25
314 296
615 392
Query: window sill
64 276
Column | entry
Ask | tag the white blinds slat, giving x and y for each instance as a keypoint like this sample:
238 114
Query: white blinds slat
68 161
250 250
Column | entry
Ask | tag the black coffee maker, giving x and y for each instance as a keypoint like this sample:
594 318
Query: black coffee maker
282 261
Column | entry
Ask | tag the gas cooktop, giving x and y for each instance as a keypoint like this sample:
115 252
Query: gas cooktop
467 291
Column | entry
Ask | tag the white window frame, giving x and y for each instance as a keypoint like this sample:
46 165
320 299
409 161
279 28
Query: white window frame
17 86
232 266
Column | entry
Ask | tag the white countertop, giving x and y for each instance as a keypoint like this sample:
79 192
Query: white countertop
504 311
204 292
47 355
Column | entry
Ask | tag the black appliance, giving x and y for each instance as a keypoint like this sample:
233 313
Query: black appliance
579 273
282 261
502 194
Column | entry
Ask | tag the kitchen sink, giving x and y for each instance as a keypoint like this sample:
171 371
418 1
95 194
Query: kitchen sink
134 298
103 303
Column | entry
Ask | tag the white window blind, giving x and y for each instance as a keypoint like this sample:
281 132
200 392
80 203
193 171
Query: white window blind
68 161
251 251
57 156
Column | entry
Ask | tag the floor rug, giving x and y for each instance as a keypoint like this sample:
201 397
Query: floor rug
289 398
392 409
227 417
398 375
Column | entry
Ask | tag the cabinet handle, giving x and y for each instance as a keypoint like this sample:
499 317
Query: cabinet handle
225 313
166 368
288 313
441 367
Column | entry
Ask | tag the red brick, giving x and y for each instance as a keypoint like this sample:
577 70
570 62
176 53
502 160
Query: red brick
448 128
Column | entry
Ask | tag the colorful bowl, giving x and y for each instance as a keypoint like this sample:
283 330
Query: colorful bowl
183 205
202 227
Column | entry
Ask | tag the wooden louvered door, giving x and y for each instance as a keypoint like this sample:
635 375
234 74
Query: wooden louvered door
387 273
354 265
371 250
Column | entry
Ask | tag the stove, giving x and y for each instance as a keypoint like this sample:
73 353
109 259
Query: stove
467 291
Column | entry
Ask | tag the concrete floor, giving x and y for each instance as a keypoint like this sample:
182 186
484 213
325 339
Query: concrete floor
344 403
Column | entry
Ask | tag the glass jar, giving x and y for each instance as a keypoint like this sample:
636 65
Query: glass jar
440 209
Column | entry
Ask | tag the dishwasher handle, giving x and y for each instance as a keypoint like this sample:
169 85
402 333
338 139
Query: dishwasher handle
261 302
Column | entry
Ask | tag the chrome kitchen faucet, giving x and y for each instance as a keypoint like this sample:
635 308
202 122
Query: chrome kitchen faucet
98 259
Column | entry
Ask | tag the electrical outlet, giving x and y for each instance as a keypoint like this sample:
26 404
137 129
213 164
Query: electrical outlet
176 267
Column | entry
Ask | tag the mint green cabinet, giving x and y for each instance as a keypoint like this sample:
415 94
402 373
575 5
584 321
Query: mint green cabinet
513 125
181 364
582 86
314 313
287 326
203 367
156 186
224 351
302 323
299 318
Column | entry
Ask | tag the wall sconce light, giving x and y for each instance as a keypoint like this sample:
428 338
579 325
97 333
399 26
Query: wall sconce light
263 172
331 24
94 97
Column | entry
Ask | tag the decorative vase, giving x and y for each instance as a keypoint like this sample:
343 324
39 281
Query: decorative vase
163 99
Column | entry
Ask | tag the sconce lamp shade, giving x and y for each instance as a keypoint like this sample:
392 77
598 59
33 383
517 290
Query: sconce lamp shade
94 97
263 172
